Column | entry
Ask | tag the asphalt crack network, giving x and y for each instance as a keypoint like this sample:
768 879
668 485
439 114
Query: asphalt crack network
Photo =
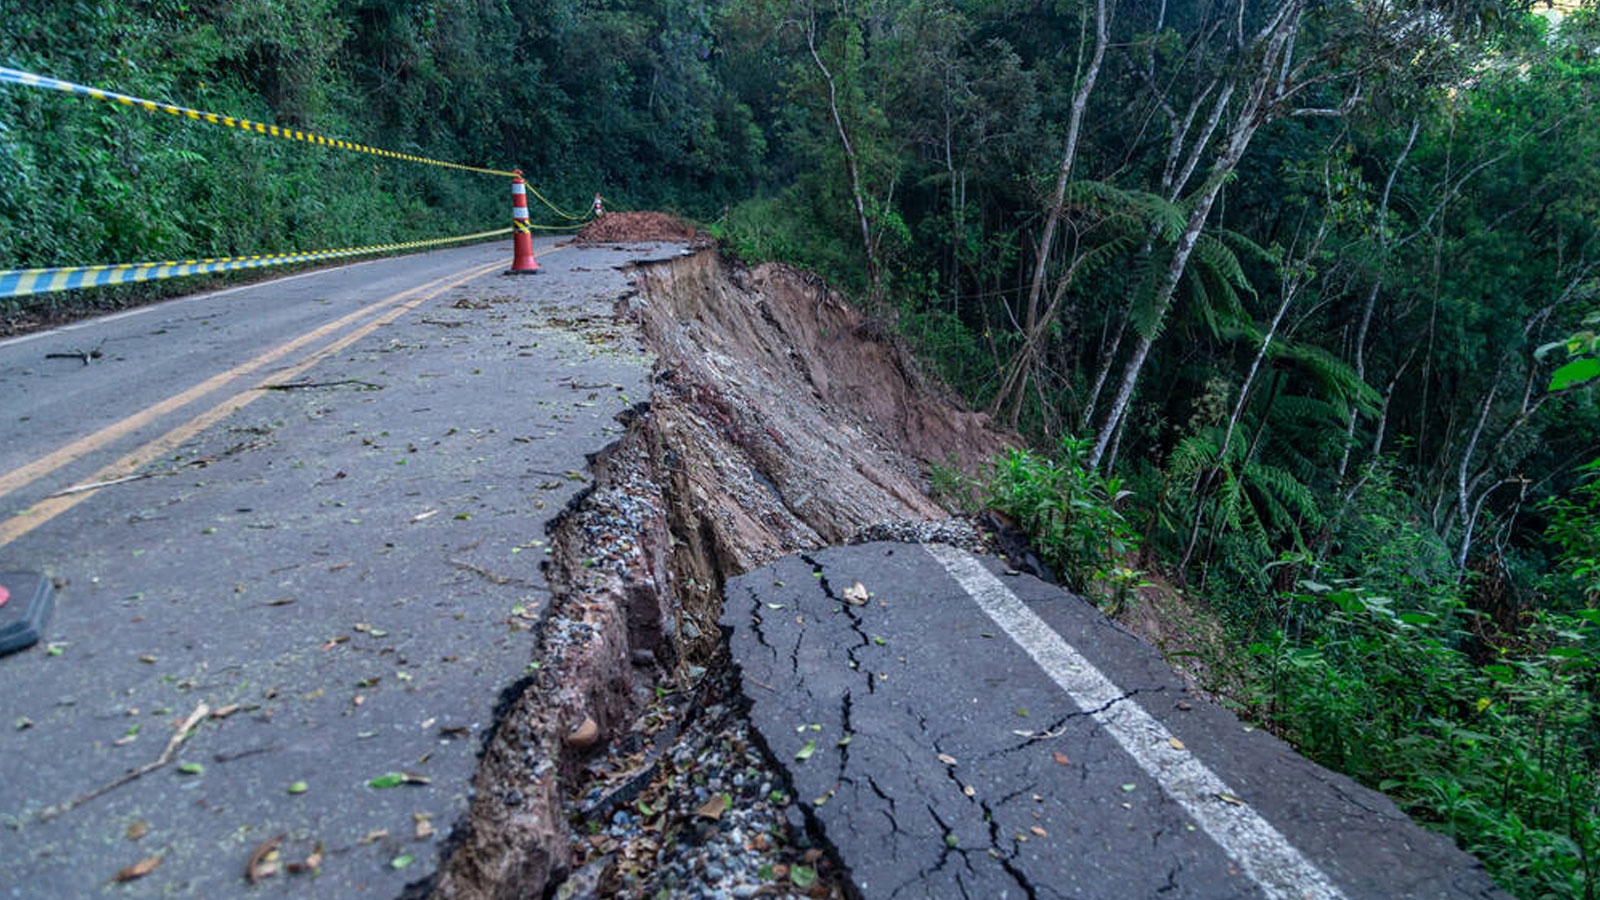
756 621
1055 727
852 652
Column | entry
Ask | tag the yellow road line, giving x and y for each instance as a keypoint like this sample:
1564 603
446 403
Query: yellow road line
42 512
48 463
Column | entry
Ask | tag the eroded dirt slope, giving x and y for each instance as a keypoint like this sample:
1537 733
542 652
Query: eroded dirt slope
779 420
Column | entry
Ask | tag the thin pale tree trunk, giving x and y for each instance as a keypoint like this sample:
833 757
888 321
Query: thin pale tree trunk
868 245
1276 41
1012 391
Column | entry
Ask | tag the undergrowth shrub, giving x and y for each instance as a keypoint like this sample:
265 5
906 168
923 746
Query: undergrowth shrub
1069 510
1501 757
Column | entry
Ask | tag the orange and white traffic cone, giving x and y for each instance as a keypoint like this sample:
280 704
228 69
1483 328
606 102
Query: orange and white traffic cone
522 261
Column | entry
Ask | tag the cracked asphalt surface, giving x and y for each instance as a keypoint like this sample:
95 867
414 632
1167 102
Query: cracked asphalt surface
348 570
939 760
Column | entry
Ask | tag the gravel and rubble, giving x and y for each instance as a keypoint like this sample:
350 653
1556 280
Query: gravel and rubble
624 764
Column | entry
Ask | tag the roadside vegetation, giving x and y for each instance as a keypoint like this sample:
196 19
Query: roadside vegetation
1295 303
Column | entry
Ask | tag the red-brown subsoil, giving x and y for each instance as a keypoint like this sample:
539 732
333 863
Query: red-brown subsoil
636 226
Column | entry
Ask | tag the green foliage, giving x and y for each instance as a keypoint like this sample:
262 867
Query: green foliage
1499 756
620 97
1070 513
953 489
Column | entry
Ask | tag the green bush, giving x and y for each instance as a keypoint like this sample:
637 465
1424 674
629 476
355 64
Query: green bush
1500 756
1069 510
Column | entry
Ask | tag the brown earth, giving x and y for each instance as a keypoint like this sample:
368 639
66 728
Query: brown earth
622 227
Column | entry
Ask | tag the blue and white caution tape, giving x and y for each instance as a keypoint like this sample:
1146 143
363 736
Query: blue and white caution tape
22 282
29 79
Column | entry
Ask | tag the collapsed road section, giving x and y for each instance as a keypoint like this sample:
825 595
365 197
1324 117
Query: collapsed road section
955 728
779 420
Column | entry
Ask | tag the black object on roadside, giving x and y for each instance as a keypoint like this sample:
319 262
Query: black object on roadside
25 601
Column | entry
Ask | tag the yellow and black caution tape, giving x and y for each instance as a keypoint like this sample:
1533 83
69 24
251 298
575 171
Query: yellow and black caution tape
17 76
556 209
525 227
21 282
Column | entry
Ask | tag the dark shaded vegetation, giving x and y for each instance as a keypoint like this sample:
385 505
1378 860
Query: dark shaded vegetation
1296 299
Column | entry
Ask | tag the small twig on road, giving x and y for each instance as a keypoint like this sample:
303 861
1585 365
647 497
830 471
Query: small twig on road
137 476
200 712
479 570
96 485
297 385
442 323
82 356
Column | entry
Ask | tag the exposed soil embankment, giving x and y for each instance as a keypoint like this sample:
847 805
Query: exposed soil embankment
636 226
780 420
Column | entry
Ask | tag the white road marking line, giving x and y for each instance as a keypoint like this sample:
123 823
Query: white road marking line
1264 854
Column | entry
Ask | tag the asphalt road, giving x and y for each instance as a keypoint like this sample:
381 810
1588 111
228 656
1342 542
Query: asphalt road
338 577
967 731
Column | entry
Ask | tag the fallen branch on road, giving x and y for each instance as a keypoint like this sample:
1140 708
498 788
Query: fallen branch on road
137 476
485 573
200 712
297 385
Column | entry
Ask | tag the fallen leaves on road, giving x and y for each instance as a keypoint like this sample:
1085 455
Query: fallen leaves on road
947 759
395 779
1039 831
138 870
1226 797
264 861
312 862
857 594
1175 743
714 808
804 753
373 836
138 830
1061 759
424 825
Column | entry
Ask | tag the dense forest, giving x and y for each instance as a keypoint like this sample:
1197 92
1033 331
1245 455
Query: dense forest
1295 301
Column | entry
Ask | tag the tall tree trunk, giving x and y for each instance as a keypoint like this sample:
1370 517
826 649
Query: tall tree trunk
1291 288
1173 182
1360 349
1013 390
1275 41
852 164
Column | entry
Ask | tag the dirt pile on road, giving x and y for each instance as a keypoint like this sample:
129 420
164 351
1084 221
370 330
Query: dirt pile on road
636 226
779 420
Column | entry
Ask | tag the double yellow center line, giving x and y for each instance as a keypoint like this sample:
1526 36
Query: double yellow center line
388 310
